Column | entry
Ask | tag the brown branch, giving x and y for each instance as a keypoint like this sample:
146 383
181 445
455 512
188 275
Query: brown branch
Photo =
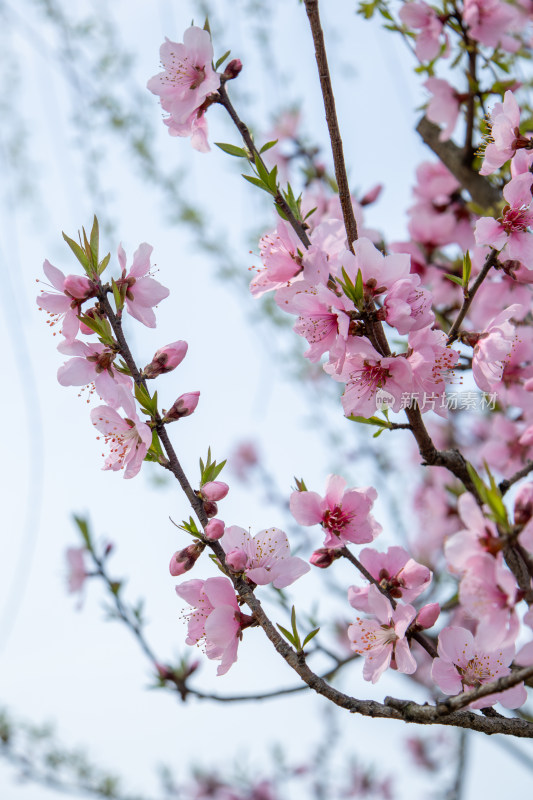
481 191
311 7
490 262
506 484
279 200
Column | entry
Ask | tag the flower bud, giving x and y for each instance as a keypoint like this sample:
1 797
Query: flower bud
210 508
232 69
324 557
236 559
78 286
185 559
427 616
166 359
523 504
372 195
214 490
183 407
214 530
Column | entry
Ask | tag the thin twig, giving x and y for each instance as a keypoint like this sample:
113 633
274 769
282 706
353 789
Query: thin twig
279 200
311 7
506 484
490 261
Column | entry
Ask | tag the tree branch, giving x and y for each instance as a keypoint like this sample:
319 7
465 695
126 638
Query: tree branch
311 7
481 191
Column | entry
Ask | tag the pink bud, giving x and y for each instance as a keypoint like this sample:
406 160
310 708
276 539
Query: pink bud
185 559
232 69
324 557
428 615
236 559
166 359
77 286
372 195
214 530
523 504
183 407
214 490
210 508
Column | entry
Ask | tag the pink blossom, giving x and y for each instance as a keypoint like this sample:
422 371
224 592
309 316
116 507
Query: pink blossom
343 513
281 254
244 458
142 292
479 536
488 592
444 106
422 17
511 230
398 574
195 128
382 640
490 21
64 304
379 272
129 439
93 366
408 307
365 373
77 573
435 183
265 558
215 619
463 665
432 363
215 490
493 349
504 137
166 359
186 84
323 318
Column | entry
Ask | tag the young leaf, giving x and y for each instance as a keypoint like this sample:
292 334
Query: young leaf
222 59
94 242
268 145
310 636
232 150
79 253
83 526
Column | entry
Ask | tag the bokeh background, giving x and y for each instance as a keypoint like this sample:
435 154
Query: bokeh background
80 134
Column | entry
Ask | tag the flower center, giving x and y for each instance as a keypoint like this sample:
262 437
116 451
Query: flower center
515 220
335 519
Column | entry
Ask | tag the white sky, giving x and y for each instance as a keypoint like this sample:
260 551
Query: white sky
57 664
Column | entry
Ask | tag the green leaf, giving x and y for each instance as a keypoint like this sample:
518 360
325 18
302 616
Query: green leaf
257 182
79 253
261 169
478 483
119 300
222 59
467 269
103 263
370 421
232 150
310 636
83 526
455 279
286 634
94 242
268 145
